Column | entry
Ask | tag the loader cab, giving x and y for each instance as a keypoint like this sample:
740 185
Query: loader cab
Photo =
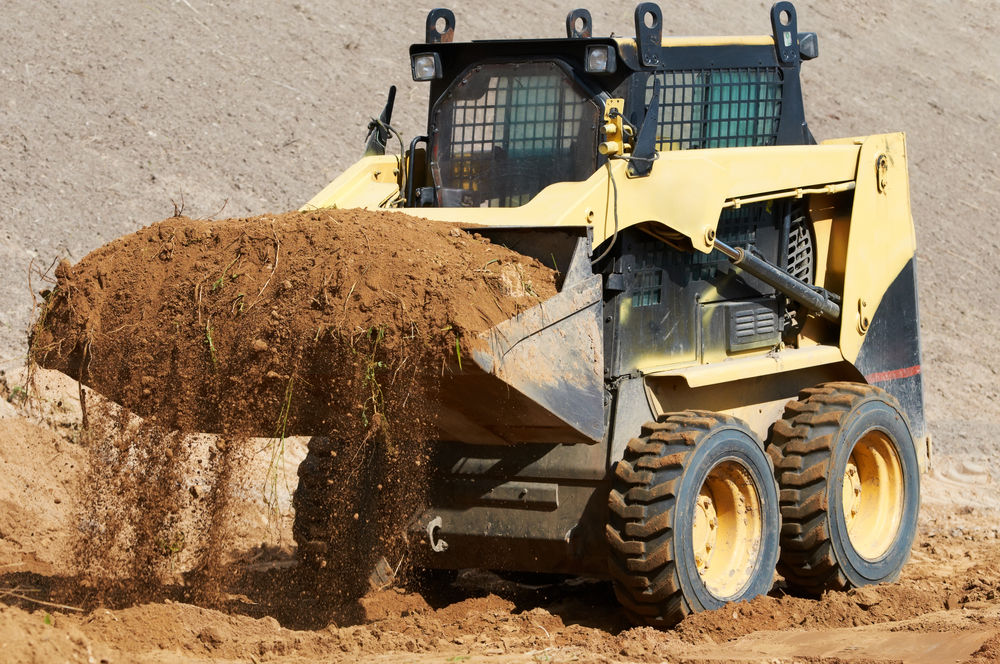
508 118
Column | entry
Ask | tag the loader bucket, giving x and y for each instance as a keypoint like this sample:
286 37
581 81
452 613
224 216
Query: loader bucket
538 377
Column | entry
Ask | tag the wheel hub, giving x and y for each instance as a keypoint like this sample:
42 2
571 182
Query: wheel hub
726 529
873 495
706 528
852 492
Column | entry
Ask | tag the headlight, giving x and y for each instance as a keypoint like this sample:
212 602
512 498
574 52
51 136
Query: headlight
601 59
426 66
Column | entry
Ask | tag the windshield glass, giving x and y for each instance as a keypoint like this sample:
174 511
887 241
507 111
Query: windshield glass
503 132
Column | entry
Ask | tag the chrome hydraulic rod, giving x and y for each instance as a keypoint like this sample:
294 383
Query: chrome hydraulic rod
819 301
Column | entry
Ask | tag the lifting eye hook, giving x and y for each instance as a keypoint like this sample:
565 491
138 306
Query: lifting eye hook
437 545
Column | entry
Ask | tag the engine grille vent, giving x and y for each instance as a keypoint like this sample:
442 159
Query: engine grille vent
801 253
751 325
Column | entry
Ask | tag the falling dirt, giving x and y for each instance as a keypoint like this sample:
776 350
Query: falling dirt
334 323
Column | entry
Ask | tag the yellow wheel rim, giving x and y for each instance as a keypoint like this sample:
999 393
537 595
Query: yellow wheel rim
873 495
726 530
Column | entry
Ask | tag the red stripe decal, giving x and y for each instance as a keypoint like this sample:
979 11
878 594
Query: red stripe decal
886 376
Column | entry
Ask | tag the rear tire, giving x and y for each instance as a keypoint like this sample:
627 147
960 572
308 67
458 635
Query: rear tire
693 518
850 487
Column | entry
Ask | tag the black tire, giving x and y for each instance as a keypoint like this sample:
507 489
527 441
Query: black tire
339 571
655 489
812 448
429 580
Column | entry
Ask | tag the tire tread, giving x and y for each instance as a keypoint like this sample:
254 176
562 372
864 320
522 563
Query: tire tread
802 448
641 508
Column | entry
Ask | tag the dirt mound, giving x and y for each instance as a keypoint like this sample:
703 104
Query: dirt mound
39 471
272 322
863 606
988 652
338 324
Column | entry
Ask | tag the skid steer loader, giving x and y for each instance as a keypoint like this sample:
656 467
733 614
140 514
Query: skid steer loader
727 382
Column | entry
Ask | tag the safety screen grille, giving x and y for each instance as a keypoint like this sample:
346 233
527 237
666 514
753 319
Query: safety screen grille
506 131
648 287
737 228
718 108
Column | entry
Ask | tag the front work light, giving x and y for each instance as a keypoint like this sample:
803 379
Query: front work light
425 66
601 59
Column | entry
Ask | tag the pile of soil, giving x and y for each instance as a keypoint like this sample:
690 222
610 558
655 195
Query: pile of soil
336 324
276 322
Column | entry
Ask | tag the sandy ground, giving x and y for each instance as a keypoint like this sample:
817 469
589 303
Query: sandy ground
945 608
115 113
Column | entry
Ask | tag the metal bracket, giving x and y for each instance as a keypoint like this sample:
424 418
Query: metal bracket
613 128
881 172
437 545
644 150
786 36
584 32
435 36
864 320
649 38
615 283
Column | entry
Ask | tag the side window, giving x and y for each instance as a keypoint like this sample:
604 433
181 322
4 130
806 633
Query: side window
718 108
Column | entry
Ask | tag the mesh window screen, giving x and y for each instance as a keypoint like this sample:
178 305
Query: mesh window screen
649 286
718 108
506 131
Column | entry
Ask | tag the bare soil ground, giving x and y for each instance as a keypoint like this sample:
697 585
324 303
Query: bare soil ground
945 608
116 112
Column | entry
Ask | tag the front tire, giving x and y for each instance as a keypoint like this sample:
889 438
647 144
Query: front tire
693 518
850 487
333 548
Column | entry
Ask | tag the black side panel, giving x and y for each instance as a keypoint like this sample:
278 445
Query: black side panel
516 507
890 354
